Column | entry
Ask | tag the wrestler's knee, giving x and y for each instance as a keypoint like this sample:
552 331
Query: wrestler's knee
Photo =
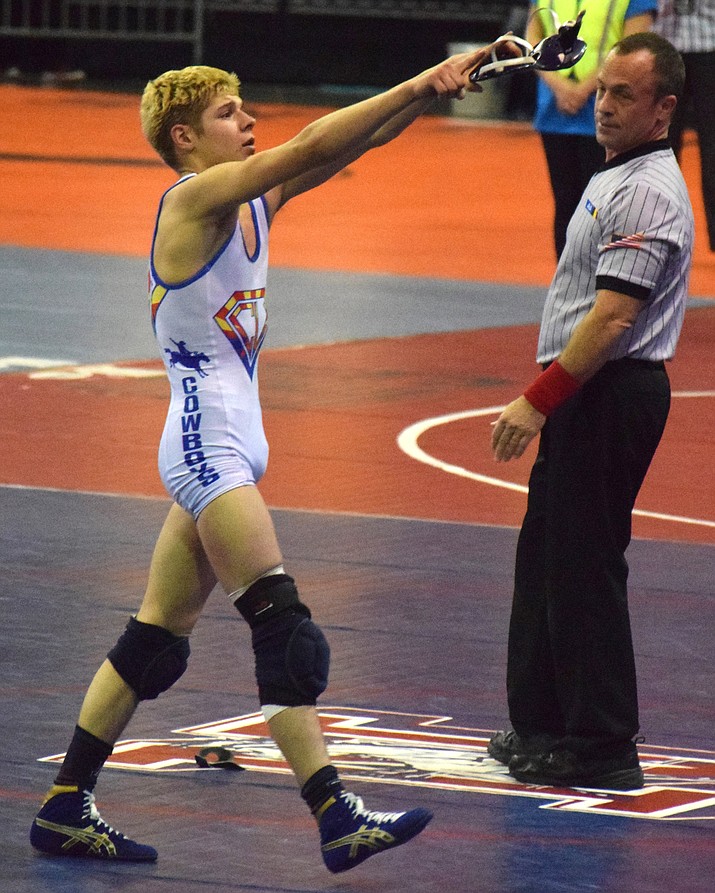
149 658
292 654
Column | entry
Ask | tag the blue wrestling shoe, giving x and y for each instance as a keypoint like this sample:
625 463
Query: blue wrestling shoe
349 834
69 824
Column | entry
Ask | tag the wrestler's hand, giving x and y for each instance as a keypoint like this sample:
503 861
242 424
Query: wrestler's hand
451 77
500 49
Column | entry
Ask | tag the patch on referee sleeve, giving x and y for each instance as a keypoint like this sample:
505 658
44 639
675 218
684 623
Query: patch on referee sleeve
621 240
591 208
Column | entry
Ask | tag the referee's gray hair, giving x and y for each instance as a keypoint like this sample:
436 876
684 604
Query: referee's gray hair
667 61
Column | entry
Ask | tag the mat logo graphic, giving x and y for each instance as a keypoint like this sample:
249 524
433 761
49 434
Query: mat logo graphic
432 752
185 358
242 319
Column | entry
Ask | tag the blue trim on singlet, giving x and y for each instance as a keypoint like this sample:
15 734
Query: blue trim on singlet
202 272
252 258
266 211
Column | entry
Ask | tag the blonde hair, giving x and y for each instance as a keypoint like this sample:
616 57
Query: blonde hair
180 97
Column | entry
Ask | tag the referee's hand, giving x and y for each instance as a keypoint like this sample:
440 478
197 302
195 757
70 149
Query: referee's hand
515 428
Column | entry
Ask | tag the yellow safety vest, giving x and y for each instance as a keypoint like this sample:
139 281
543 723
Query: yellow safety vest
601 27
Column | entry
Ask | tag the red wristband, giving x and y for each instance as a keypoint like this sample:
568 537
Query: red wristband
552 388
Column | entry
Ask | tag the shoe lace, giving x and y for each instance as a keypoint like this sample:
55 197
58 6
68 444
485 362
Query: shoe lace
357 807
90 811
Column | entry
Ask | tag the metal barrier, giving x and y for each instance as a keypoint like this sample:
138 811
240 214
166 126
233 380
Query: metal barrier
162 20
184 20
435 10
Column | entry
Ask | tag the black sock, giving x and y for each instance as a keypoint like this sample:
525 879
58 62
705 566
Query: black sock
84 759
320 787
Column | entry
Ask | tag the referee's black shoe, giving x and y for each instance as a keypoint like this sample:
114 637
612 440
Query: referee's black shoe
565 769
504 746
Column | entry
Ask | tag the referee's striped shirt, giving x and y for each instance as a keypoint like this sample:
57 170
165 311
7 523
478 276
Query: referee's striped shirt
631 233
688 24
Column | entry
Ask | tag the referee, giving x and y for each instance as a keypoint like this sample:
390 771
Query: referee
613 315
690 26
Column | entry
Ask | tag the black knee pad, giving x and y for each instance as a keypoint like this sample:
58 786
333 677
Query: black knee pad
149 658
292 654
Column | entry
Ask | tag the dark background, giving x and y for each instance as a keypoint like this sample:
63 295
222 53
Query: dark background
385 42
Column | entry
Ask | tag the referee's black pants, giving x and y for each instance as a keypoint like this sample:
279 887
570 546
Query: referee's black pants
571 669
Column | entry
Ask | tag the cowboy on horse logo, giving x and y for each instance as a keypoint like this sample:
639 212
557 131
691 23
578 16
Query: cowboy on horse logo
187 359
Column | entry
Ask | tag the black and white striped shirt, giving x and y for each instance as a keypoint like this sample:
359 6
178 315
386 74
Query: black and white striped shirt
631 233
688 24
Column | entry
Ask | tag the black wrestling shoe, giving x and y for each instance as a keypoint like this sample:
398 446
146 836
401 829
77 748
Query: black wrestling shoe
564 769
70 825
503 746
349 833
511 53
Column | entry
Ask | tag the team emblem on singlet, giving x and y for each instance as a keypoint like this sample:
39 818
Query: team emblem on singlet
185 358
241 321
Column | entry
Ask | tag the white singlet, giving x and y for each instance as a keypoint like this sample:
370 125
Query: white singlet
210 329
